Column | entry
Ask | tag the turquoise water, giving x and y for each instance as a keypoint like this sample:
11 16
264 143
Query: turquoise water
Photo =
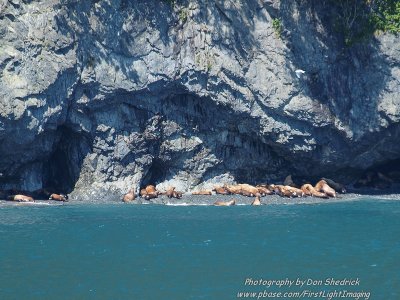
196 252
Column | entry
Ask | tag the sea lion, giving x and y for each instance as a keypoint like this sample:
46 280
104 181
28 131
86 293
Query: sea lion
59 197
256 201
150 189
246 193
143 193
248 189
204 192
221 190
281 190
322 186
177 195
274 189
309 190
20 198
149 196
242 189
129 197
233 189
286 191
263 190
306 189
338 187
295 191
289 181
222 203
170 192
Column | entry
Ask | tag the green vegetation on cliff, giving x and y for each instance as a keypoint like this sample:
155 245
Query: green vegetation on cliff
359 19
278 27
386 17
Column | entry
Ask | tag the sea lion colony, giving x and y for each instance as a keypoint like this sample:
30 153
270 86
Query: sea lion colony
321 189
23 196
325 188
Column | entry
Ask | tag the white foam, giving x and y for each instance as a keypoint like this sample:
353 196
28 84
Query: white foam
187 204
34 203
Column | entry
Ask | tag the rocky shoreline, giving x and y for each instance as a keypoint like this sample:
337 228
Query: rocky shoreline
202 200
220 195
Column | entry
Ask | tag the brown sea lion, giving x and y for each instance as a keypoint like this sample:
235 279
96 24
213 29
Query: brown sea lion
306 189
309 190
323 187
143 193
286 191
59 197
129 197
150 189
177 195
274 189
170 192
248 189
149 196
204 192
281 190
20 198
295 191
146 195
338 187
256 201
246 193
264 190
233 189
222 203
221 190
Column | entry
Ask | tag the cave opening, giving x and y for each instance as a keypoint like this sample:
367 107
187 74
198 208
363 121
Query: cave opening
157 173
383 174
387 167
62 169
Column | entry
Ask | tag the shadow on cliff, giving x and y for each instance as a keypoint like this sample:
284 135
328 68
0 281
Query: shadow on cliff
348 76
229 140
62 169
235 26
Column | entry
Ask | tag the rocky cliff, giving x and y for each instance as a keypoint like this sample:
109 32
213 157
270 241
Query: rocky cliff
97 96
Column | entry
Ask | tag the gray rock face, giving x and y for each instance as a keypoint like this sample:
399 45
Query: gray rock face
99 96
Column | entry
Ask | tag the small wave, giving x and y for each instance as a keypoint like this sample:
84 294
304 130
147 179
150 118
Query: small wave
34 204
187 204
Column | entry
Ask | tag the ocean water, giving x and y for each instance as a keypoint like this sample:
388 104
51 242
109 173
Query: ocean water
200 252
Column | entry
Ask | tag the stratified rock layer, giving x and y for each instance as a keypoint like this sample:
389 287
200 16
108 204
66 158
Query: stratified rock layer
99 96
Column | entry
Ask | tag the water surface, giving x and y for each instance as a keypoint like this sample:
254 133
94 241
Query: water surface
196 252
